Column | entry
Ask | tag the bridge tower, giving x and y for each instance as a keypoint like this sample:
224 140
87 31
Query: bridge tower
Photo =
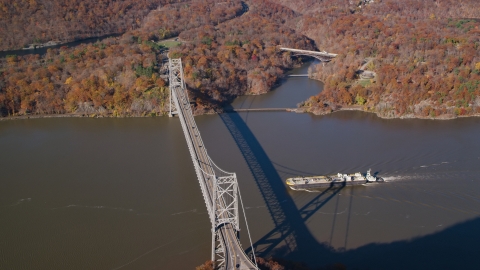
219 188
226 212
175 78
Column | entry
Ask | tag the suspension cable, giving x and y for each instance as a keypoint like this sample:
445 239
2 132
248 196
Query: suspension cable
248 231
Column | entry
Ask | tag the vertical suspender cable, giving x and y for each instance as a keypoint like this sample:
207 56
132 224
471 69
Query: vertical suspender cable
248 231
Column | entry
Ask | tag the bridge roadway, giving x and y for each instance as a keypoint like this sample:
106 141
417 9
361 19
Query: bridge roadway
322 56
261 110
235 256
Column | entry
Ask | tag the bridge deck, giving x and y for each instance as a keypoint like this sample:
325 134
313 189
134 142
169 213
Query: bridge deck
306 52
261 110
235 257
322 56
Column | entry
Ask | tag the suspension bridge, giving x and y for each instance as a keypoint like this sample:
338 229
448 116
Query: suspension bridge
219 188
222 194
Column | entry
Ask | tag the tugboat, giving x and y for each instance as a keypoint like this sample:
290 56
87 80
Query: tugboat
332 180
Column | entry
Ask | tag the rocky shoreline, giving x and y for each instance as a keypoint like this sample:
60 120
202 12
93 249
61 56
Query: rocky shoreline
380 115
72 115
207 112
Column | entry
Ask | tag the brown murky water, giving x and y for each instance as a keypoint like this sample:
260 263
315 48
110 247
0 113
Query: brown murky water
122 193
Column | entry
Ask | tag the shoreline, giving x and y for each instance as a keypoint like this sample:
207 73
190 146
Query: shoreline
224 110
294 110
358 108
72 115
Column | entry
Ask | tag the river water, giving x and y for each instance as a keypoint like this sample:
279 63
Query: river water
122 193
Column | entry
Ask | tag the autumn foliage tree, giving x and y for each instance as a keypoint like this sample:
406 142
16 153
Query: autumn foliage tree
39 21
238 57
424 54
225 53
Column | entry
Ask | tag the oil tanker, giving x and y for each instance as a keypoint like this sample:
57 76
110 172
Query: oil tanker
338 179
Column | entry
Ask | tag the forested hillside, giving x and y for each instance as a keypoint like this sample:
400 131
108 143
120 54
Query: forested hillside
407 58
426 55
237 57
225 52
25 22
118 76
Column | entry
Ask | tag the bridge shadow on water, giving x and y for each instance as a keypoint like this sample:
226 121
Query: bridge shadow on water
452 248
290 238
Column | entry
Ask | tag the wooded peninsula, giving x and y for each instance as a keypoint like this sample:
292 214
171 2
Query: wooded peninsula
399 59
